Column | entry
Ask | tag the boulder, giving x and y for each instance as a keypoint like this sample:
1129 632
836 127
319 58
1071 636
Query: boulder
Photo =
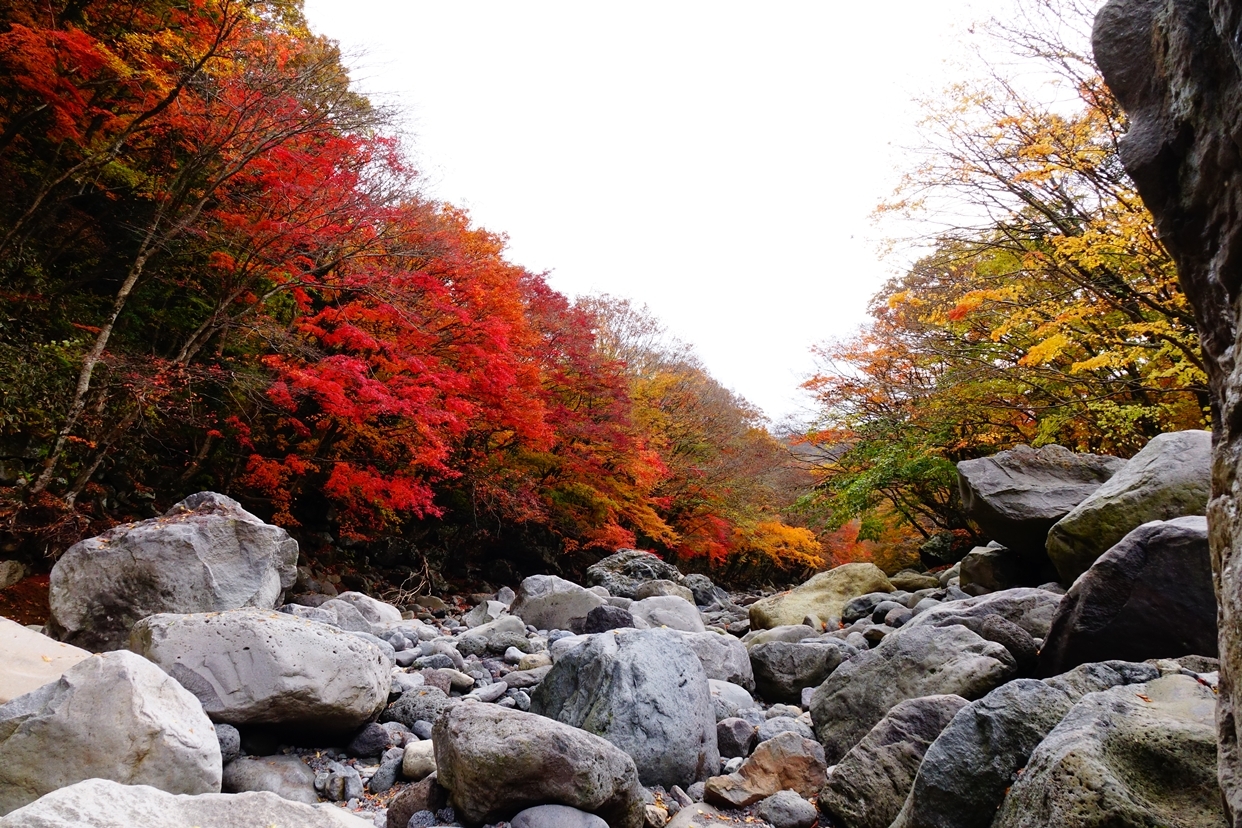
659 588
723 657
1020 644
1017 495
787 762
115 716
494 637
786 632
484 613
10 573
1169 478
911 581
728 698
426 795
1092 678
706 593
547 602
668 611
1031 609
970 766
868 786
735 737
556 816
603 619
205 554
31 659
824 595
418 760
101 803
783 669
624 572
1139 755
785 809
340 614
286 776
994 568
373 610
643 690
422 704
251 667
1150 596
907 664
495 762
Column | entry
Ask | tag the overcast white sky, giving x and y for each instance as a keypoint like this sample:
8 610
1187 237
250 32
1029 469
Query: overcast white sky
717 160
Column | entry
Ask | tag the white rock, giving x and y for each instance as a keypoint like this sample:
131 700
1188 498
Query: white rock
257 667
31 659
375 611
668 611
419 760
114 716
205 554
547 602
98 803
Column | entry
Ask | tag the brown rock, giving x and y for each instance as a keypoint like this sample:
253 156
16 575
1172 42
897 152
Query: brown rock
784 762
426 795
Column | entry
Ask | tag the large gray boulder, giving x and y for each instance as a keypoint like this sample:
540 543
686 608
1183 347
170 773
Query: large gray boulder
1093 678
723 657
101 803
868 786
668 611
783 669
547 602
1140 755
967 770
116 716
1169 478
495 762
32 659
1030 609
206 554
907 664
643 690
250 667
624 572
1017 495
1150 596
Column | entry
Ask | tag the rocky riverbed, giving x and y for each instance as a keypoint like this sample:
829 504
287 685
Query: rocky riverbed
192 672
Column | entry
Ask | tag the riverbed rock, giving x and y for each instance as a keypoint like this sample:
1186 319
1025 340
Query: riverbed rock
496 762
908 664
783 669
670 611
372 609
723 657
1150 596
101 803
644 691
786 762
547 602
251 667
1017 495
115 716
286 776
1031 609
205 554
624 572
32 659
824 595
869 785
1169 478
1138 755
994 568
972 763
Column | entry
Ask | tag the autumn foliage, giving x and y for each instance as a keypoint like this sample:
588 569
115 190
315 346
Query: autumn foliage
219 272
1044 310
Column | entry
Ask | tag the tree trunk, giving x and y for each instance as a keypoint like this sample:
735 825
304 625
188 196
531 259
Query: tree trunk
1176 68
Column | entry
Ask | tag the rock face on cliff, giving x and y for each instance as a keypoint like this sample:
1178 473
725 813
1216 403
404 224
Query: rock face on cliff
1176 68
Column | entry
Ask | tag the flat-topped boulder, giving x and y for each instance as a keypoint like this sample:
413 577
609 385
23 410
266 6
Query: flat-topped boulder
1017 495
547 602
823 596
101 803
205 554
250 667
